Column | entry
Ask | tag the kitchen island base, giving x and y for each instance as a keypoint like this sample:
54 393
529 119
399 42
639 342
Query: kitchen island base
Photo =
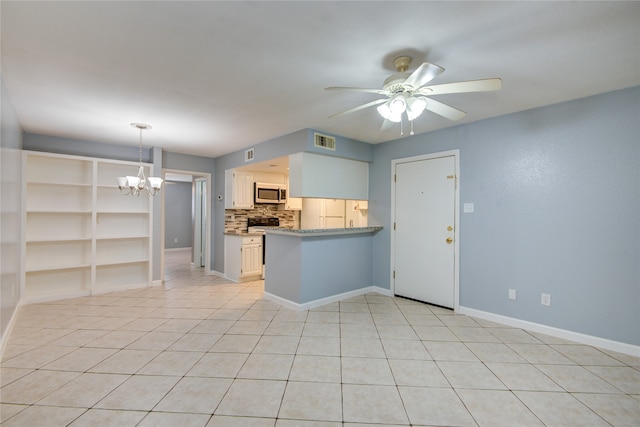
310 268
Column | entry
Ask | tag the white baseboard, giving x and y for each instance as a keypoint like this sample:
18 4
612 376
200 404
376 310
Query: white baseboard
156 283
620 347
188 248
7 332
324 301
220 274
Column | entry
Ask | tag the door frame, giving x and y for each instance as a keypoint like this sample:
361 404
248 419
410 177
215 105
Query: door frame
456 228
207 254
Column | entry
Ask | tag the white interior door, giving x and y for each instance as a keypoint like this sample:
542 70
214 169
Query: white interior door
425 207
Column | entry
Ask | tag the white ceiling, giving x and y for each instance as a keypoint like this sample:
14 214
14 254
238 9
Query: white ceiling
216 77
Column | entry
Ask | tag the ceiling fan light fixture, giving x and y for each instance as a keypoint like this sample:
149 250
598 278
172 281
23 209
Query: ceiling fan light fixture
384 110
398 104
415 107
392 109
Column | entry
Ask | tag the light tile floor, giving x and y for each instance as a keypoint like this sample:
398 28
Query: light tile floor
200 351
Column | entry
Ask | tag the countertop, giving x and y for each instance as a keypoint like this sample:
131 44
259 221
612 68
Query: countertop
322 231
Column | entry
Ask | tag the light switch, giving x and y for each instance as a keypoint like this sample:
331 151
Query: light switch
468 208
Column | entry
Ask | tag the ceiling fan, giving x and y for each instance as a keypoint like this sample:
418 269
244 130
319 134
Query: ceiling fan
406 93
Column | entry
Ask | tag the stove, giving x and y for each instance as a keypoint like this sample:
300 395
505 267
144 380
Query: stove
257 225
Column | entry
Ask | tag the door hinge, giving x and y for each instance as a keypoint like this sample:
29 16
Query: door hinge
395 177
394 225
394 274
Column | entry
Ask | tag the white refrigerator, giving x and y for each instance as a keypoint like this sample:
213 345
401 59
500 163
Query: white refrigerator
322 213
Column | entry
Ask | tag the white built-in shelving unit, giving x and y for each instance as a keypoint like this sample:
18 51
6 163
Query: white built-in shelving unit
81 236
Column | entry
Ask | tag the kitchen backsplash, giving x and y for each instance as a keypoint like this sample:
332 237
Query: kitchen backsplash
235 220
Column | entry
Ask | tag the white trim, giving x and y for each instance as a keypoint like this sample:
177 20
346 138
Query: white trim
9 329
217 273
620 347
456 228
210 210
324 301
157 282
178 249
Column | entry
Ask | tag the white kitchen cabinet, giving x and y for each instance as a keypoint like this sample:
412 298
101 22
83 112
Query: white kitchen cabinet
80 236
238 190
322 214
242 257
292 203
251 257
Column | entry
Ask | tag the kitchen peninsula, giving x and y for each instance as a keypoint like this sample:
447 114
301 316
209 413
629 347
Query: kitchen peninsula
309 268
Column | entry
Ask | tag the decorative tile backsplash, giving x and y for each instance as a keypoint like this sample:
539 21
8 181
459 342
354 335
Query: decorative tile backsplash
235 220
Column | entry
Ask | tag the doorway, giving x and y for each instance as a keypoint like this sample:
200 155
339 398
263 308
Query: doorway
425 239
200 250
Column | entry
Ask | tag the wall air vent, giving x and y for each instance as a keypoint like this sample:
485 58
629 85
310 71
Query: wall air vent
324 141
248 155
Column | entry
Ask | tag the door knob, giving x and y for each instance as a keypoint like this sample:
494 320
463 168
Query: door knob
449 240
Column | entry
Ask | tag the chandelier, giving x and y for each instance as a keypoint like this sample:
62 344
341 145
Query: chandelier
134 185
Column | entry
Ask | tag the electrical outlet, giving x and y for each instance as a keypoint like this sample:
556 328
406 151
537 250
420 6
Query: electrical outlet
545 299
512 294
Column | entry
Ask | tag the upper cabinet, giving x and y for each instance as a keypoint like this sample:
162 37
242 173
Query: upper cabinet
315 175
238 190
292 203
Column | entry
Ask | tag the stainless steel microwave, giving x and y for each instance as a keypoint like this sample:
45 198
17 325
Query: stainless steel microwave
265 192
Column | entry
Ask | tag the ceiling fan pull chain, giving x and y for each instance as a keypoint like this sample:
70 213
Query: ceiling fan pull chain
401 128
411 133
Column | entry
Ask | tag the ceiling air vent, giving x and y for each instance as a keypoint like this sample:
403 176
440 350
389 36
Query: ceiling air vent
324 141
248 155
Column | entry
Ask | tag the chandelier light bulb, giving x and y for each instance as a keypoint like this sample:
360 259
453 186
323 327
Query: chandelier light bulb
135 184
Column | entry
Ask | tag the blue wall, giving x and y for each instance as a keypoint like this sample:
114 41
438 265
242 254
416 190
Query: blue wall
10 210
557 210
178 217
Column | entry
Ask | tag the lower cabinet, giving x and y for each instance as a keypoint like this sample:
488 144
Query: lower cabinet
242 257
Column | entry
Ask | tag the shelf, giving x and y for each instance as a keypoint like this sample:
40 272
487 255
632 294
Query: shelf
58 211
55 255
46 226
121 212
112 251
54 284
108 172
48 295
117 275
81 235
122 237
59 184
121 263
56 267
58 239
65 169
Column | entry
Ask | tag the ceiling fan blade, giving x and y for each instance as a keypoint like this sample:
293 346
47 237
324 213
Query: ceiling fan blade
423 75
358 89
361 107
387 124
444 110
484 85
